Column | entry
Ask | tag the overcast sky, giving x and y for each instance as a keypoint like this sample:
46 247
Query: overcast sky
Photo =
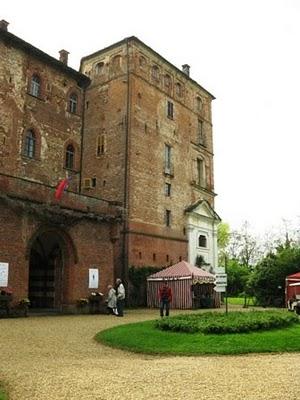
245 52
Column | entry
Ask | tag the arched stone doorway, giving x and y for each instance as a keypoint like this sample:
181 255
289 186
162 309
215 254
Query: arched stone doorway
47 262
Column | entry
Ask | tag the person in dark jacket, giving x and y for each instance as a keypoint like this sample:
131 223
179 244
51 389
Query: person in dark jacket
165 298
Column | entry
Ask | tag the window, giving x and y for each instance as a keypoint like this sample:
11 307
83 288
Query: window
70 155
142 62
168 218
30 144
168 164
167 81
94 182
200 172
167 189
154 257
35 86
116 63
201 137
199 103
139 100
101 145
155 73
202 241
179 91
170 110
99 69
167 257
73 102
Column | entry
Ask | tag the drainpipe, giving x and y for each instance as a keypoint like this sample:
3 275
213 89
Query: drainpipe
82 133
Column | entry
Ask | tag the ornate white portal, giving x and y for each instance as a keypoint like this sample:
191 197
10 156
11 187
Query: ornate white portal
202 222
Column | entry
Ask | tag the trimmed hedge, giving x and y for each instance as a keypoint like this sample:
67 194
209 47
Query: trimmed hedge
233 322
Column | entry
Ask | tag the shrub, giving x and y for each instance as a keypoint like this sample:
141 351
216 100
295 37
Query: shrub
234 322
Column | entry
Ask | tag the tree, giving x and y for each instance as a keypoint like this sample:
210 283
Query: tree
243 246
223 235
268 279
237 277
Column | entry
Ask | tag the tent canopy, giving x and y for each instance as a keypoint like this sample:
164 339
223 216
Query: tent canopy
183 270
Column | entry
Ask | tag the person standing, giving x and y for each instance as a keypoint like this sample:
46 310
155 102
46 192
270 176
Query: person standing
165 298
111 300
120 290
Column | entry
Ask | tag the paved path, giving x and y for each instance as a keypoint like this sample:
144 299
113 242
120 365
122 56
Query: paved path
56 358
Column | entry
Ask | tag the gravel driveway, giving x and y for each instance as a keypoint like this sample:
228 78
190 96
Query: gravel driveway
56 358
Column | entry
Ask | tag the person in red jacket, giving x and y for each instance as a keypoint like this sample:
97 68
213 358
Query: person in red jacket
165 298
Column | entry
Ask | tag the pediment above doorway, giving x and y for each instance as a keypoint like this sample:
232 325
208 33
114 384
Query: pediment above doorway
202 208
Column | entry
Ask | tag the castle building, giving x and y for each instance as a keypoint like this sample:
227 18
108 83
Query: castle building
133 136
49 248
148 143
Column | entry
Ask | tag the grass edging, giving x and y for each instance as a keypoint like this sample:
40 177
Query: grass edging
143 337
3 393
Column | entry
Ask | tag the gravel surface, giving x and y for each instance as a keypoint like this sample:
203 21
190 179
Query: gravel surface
56 358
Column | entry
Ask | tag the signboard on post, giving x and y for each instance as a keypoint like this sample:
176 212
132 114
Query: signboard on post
220 280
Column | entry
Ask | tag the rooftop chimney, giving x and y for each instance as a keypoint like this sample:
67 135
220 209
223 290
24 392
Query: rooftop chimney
186 69
3 25
63 56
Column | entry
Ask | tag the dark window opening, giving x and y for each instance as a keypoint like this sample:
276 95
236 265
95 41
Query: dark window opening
70 154
73 101
35 86
167 189
202 241
170 110
94 182
30 144
168 217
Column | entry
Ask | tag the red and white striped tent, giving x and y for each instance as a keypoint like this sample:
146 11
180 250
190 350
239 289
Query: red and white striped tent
181 277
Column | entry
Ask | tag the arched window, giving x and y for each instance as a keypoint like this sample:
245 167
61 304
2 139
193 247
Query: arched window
155 72
142 62
199 103
30 144
99 68
101 145
35 86
70 157
202 241
116 63
179 90
73 103
167 82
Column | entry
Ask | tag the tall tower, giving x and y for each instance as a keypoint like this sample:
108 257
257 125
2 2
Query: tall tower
147 144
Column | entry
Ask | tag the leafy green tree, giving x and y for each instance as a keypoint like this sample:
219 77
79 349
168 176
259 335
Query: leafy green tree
223 235
268 279
237 277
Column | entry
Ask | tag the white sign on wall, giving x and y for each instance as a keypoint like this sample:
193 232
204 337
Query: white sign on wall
93 278
3 274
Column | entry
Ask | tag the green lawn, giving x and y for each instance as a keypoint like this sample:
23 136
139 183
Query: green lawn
145 338
240 301
3 395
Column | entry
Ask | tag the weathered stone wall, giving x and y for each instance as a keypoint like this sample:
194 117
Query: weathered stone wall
47 115
141 100
91 242
105 124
